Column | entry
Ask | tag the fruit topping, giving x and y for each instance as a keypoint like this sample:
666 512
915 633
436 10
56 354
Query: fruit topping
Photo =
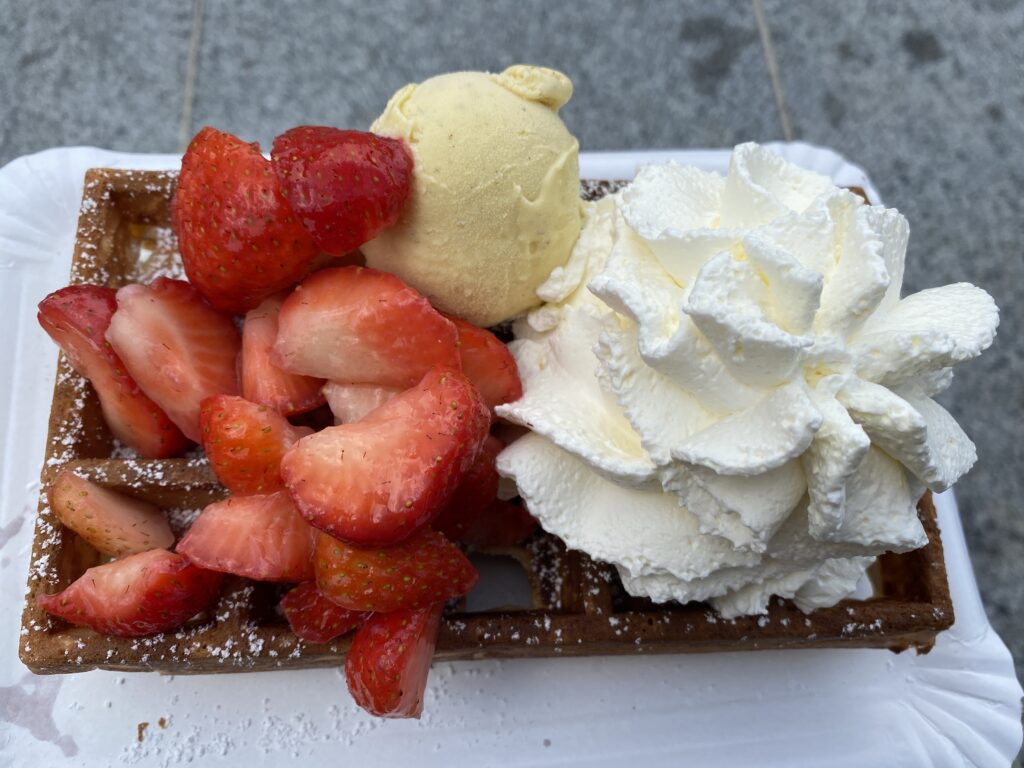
153 591
344 186
425 568
176 347
113 523
503 524
245 442
315 618
77 318
354 325
388 663
475 515
364 516
240 241
262 381
261 537
475 494
351 402
488 364
376 481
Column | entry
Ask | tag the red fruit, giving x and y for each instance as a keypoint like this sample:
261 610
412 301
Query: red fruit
77 318
488 364
261 537
355 325
316 619
141 594
245 442
351 402
503 524
374 482
262 381
425 568
475 494
388 663
178 348
345 186
113 523
240 240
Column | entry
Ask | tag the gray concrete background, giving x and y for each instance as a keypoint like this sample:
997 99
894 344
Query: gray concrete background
928 97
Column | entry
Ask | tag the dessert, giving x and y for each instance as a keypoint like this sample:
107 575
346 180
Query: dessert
577 606
412 418
728 398
494 205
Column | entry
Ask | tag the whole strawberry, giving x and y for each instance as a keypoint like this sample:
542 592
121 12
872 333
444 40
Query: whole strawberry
345 186
240 241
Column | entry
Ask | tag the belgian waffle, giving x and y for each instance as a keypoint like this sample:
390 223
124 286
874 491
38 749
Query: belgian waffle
578 606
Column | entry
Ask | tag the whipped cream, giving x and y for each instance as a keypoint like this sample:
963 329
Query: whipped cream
728 398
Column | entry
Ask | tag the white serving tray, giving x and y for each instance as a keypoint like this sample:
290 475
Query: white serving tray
958 705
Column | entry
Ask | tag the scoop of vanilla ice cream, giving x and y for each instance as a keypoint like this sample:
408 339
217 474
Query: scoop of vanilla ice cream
494 205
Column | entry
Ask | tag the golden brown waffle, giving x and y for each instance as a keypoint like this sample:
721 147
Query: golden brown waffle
579 608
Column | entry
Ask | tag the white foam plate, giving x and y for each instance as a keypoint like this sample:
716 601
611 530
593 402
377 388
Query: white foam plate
958 705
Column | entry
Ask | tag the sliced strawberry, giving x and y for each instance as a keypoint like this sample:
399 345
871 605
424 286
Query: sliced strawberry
316 619
475 494
502 524
77 318
351 402
262 381
488 364
240 240
345 186
376 481
425 568
355 325
177 347
388 663
261 537
245 442
153 591
113 523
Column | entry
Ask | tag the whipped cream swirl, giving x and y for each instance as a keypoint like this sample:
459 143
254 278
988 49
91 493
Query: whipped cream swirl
728 398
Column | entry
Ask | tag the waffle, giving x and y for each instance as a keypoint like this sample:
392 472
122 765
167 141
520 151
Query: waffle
579 607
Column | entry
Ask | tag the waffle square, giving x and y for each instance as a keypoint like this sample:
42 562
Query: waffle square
578 606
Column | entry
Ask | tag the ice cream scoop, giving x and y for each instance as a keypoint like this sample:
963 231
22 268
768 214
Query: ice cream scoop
494 205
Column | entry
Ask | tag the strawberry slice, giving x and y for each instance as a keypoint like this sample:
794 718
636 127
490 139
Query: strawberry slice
345 186
113 523
424 569
388 663
261 537
502 524
177 347
488 364
475 494
77 318
245 442
240 240
262 381
351 402
141 594
355 325
316 619
374 482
